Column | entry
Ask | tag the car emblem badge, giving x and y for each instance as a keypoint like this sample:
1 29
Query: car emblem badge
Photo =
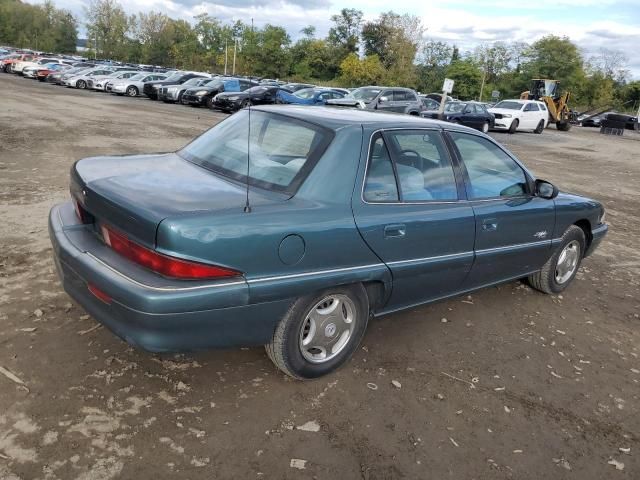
330 330
542 234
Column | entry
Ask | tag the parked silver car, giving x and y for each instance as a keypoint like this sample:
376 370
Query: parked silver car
133 86
80 79
99 82
173 93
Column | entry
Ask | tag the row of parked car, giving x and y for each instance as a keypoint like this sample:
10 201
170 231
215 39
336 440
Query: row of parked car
230 94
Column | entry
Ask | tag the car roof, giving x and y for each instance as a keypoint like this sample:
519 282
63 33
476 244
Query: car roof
337 118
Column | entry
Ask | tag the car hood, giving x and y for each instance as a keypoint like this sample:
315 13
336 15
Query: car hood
136 192
208 88
504 111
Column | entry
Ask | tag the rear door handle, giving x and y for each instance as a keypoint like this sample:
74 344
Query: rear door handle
395 230
490 225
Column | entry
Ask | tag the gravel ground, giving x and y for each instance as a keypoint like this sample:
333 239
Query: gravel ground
505 383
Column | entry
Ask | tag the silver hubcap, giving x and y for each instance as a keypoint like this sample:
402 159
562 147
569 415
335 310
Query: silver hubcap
567 261
327 328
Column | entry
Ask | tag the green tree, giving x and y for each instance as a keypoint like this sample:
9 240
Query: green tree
108 26
355 72
467 77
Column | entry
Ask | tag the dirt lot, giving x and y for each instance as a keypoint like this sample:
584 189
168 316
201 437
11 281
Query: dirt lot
514 384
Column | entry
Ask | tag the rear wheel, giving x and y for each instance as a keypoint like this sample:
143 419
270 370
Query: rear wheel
81 84
132 91
561 268
320 332
514 126
485 127
540 128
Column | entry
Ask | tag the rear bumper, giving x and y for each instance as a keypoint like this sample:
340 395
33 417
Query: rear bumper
597 235
159 317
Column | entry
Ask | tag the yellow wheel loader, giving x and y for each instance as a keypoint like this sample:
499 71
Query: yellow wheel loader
548 91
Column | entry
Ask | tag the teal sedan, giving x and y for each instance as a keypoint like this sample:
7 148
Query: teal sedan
291 227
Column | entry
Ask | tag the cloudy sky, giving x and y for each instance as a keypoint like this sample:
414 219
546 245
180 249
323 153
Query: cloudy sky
592 24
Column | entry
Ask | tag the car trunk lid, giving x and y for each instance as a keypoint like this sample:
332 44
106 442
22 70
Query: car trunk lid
135 193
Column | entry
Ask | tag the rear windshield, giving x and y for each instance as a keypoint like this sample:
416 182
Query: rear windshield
365 94
283 150
510 105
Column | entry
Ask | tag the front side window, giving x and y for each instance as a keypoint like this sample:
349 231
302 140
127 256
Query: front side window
492 173
281 150
380 185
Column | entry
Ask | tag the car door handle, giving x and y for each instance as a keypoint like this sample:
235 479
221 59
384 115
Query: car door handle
396 230
490 225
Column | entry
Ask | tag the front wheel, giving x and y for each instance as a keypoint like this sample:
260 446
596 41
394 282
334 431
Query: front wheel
540 128
320 332
81 84
132 91
563 126
485 127
245 103
561 268
514 126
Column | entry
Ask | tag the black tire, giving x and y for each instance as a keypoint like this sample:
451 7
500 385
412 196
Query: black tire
245 103
545 280
540 128
132 91
81 84
563 126
179 99
210 104
284 349
485 127
514 126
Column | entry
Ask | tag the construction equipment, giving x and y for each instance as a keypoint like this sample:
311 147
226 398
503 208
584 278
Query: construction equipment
548 91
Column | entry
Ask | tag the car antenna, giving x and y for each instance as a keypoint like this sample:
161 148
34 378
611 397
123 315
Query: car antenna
247 207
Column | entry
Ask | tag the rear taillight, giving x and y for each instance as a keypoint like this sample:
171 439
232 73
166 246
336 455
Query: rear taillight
82 214
163 264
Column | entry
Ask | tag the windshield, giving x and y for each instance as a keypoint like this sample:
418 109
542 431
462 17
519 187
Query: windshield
254 90
174 78
283 149
305 93
365 94
193 81
510 105
454 107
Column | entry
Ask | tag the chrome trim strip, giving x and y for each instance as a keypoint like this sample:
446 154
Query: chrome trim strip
429 259
515 246
307 274
163 289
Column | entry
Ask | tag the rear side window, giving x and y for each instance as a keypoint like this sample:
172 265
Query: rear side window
409 166
380 185
492 173
423 166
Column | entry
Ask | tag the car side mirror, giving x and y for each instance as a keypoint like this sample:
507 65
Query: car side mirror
383 99
546 189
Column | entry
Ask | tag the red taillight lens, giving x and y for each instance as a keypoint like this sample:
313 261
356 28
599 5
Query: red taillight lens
82 214
163 264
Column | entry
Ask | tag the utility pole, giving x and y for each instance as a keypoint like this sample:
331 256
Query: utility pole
484 75
235 47
226 50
